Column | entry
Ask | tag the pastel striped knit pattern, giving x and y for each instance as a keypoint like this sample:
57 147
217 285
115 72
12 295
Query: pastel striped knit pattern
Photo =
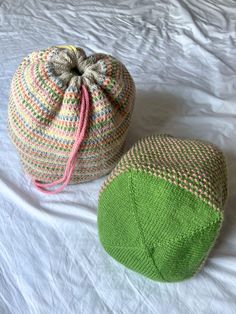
161 208
45 110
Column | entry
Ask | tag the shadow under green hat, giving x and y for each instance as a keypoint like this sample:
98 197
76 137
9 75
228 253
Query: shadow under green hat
160 210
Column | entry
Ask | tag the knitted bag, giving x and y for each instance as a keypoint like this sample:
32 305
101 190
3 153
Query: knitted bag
160 209
69 114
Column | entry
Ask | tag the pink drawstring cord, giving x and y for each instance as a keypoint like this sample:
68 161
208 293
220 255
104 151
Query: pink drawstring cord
70 166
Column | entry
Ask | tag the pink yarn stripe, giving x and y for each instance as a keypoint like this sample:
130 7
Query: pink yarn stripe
70 166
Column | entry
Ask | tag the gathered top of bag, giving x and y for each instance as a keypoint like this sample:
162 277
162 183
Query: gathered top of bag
68 115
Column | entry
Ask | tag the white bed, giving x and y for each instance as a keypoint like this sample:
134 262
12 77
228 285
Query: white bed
182 56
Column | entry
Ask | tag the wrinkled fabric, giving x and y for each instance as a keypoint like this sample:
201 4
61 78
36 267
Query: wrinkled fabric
181 55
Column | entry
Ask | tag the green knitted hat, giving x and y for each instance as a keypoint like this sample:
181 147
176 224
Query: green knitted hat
160 210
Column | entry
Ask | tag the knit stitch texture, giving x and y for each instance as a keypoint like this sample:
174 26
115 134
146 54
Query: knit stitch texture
45 109
160 209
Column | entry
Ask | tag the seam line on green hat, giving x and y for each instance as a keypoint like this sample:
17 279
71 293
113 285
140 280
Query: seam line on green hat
134 209
176 239
211 246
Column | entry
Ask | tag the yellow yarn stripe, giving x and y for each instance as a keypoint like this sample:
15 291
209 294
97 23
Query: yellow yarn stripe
73 48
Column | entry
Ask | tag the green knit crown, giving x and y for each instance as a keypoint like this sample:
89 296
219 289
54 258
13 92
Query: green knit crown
160 210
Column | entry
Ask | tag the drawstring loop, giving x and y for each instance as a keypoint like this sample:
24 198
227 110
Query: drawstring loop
71 163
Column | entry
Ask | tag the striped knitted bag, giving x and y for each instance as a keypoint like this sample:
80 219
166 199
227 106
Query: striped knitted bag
69 114
161 208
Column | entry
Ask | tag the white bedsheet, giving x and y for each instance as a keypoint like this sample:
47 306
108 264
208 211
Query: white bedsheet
182 56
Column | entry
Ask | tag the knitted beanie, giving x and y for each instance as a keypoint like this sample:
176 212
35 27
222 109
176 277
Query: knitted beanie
160 209
69 114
